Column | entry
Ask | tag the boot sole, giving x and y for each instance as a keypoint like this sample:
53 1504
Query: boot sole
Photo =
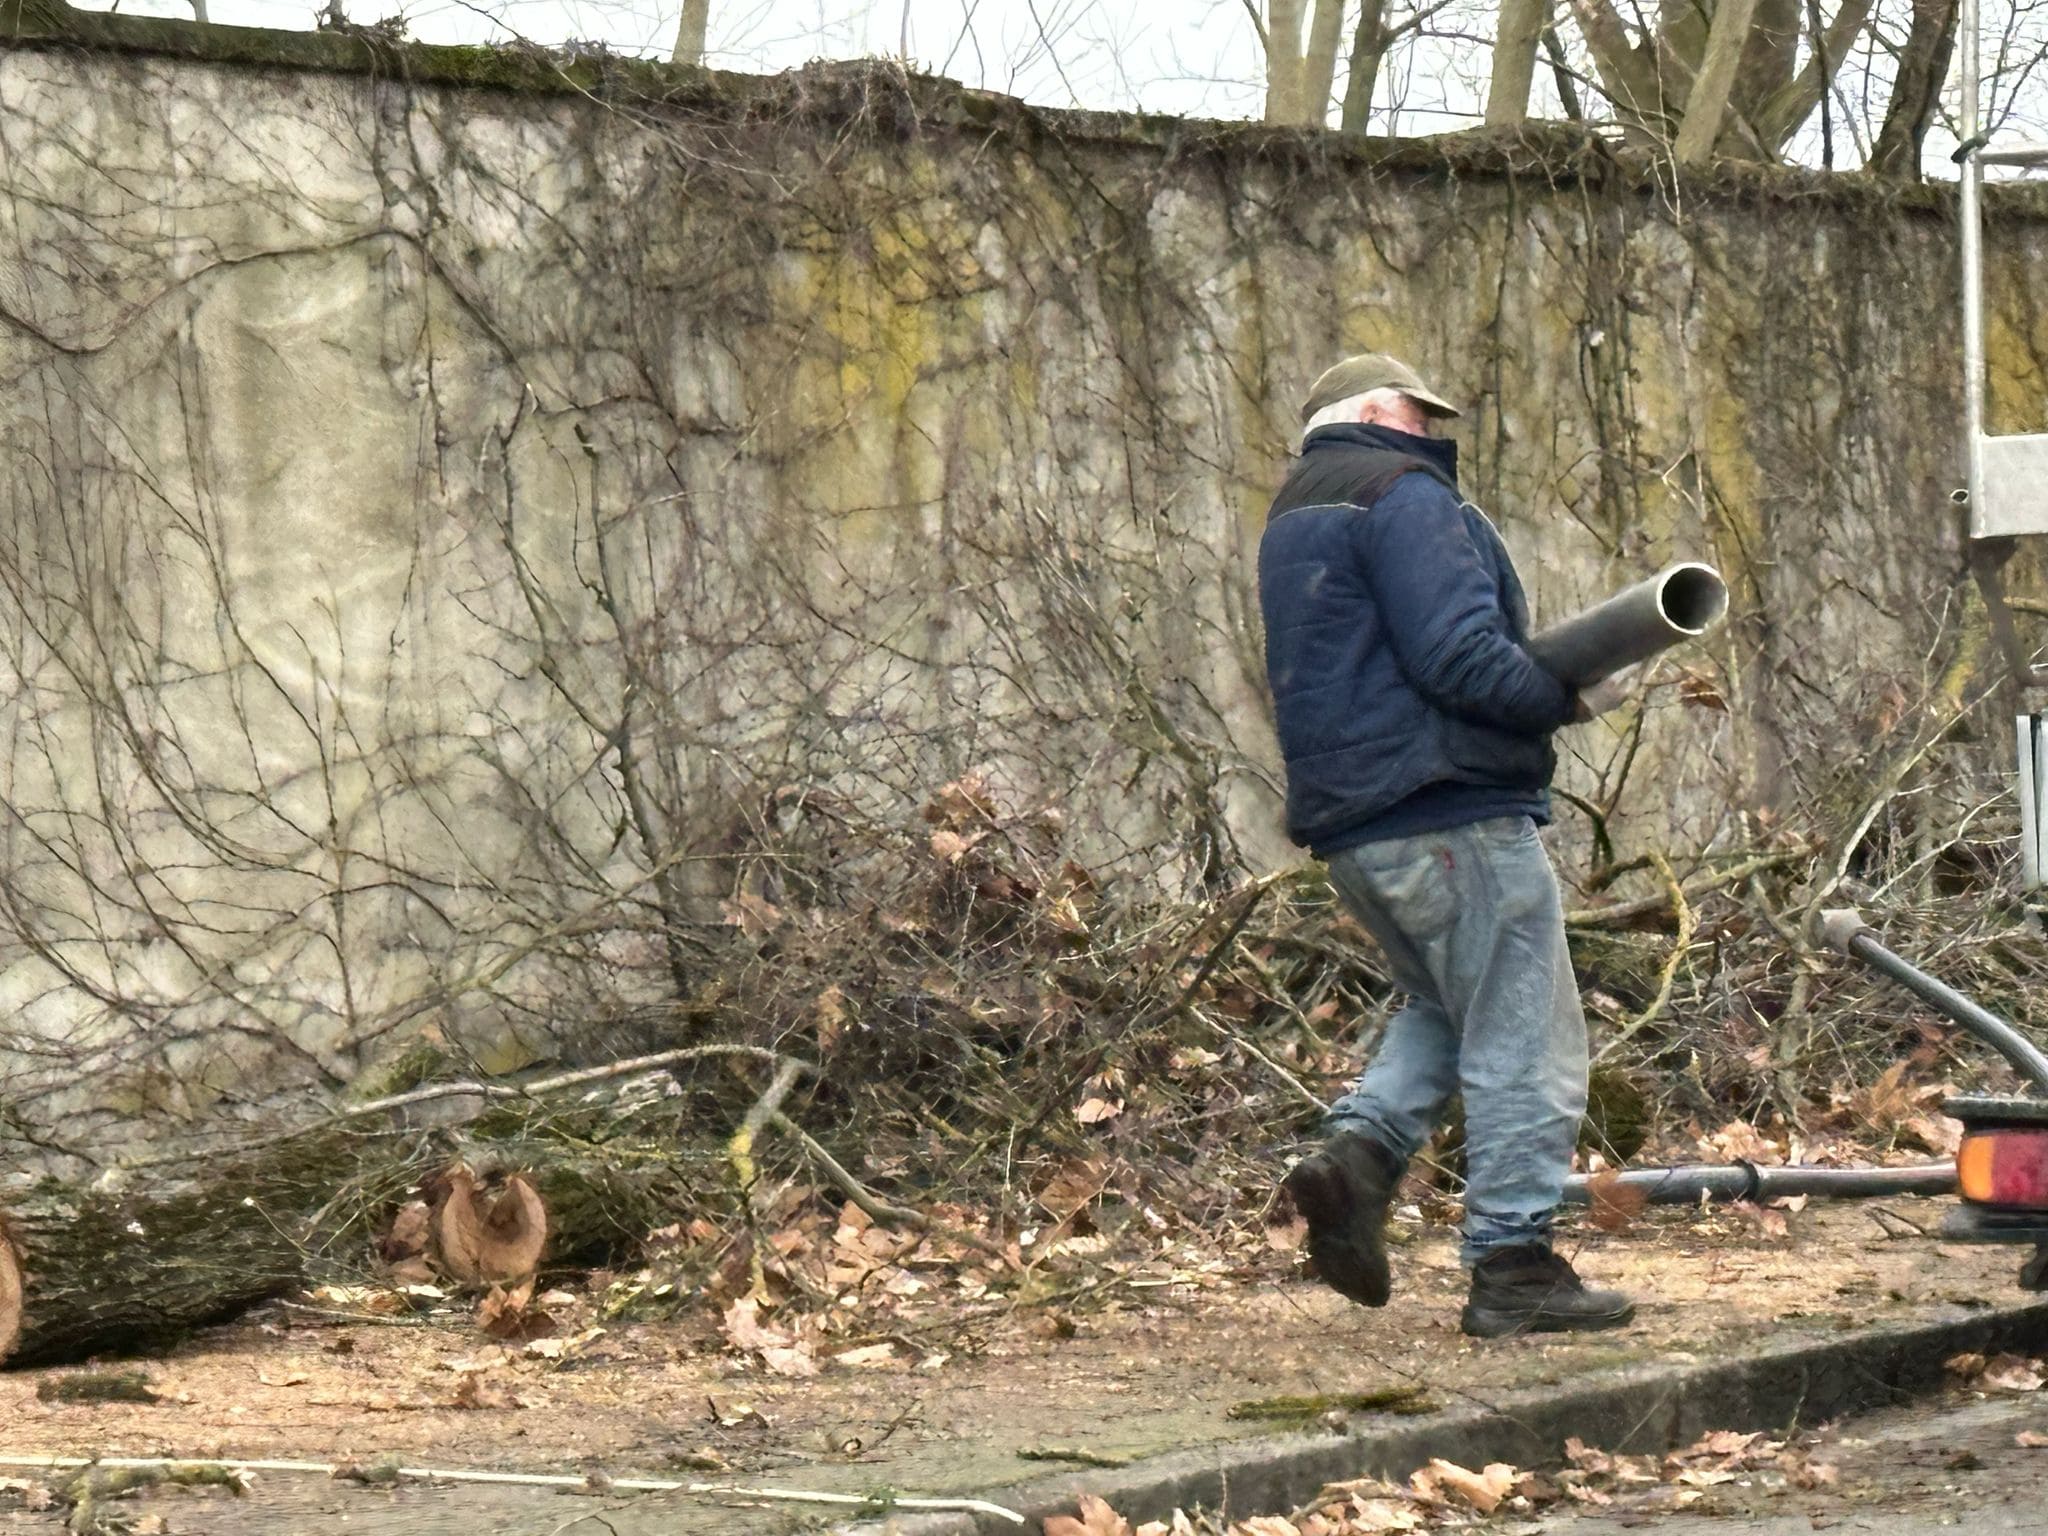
1497 1323
1352 1264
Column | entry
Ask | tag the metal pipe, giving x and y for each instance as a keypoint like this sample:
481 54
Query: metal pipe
1845 930
1636 623
1970 214
1689 1183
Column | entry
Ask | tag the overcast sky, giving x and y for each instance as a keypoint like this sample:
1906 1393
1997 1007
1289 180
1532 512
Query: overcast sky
1197 58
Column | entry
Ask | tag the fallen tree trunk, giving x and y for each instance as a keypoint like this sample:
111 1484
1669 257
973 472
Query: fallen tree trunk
88 1271
123 1271
193 1239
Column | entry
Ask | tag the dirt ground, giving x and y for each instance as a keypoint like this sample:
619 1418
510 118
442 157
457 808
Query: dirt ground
1144 1364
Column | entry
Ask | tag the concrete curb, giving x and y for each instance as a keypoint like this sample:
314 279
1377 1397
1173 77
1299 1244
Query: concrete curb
1646 1410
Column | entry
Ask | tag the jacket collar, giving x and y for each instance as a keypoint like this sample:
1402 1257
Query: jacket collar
1440 453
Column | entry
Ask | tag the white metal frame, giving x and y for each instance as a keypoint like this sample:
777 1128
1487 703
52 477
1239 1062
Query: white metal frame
2008 475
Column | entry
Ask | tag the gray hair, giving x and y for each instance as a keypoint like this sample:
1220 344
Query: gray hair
1351 408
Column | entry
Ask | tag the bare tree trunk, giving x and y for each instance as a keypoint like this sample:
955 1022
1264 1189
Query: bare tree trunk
1781 116
1626 73
1319 66
1514 60
1561 73
1923 66
1283 61
1706 104
1368 47
199 10
1770 56
691 32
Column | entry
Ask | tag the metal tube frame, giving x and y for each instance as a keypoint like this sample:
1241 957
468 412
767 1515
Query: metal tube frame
1691 1183
1842 929
1971 214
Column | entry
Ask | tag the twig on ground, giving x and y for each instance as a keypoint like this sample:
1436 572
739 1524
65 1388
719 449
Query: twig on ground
1292 1083
1699 885
874 1205
1882 1213
490 1092
739 1149
856 1500
1688 925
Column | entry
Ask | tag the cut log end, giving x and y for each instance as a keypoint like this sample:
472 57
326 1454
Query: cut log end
10 1291
485 1232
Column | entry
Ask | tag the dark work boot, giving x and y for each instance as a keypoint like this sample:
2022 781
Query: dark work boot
1343 1192
1528 1288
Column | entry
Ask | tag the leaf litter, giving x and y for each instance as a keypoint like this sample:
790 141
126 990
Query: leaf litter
1444 1495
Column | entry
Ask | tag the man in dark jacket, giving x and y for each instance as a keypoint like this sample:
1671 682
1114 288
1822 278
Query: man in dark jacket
1416 730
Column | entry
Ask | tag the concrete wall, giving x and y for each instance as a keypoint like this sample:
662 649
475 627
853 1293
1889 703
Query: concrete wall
450 537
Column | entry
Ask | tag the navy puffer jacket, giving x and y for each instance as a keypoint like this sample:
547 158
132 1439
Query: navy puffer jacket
1394 633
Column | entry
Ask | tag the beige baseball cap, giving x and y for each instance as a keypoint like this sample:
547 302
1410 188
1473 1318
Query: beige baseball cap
1369 371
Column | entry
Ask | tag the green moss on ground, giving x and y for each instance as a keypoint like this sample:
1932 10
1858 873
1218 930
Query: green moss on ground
97 1387
1407 1401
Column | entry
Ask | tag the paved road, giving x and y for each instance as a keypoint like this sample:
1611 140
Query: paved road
1941 1466
1937 1467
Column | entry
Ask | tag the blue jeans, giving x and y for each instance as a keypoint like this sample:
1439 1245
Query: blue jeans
1473 930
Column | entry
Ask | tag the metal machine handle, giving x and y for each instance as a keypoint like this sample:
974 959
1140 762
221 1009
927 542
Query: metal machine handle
1843 929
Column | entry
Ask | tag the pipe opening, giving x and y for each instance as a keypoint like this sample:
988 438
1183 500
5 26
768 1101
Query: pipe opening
1692 598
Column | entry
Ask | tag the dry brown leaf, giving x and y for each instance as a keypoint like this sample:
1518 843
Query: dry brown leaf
151 1525
1887 1101
2011 1373
1377 1515
1937 1133
2030 1440
1538 1489
1803 1473
1097 1519
1722 1442
871 1355
472 1391
1482 1490
407 1237
1705 1477
1093 1111
34 1497
1967 1366
743 1328
377 1300
1740 1142
1700 691
1768 1223
1074 1184
751 915
1615 1204
513 1314
949 847
830 1013
798 1360
1266 1525
488 1358
1426 1487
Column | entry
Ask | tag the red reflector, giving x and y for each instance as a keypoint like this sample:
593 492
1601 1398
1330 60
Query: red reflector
2005 1168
